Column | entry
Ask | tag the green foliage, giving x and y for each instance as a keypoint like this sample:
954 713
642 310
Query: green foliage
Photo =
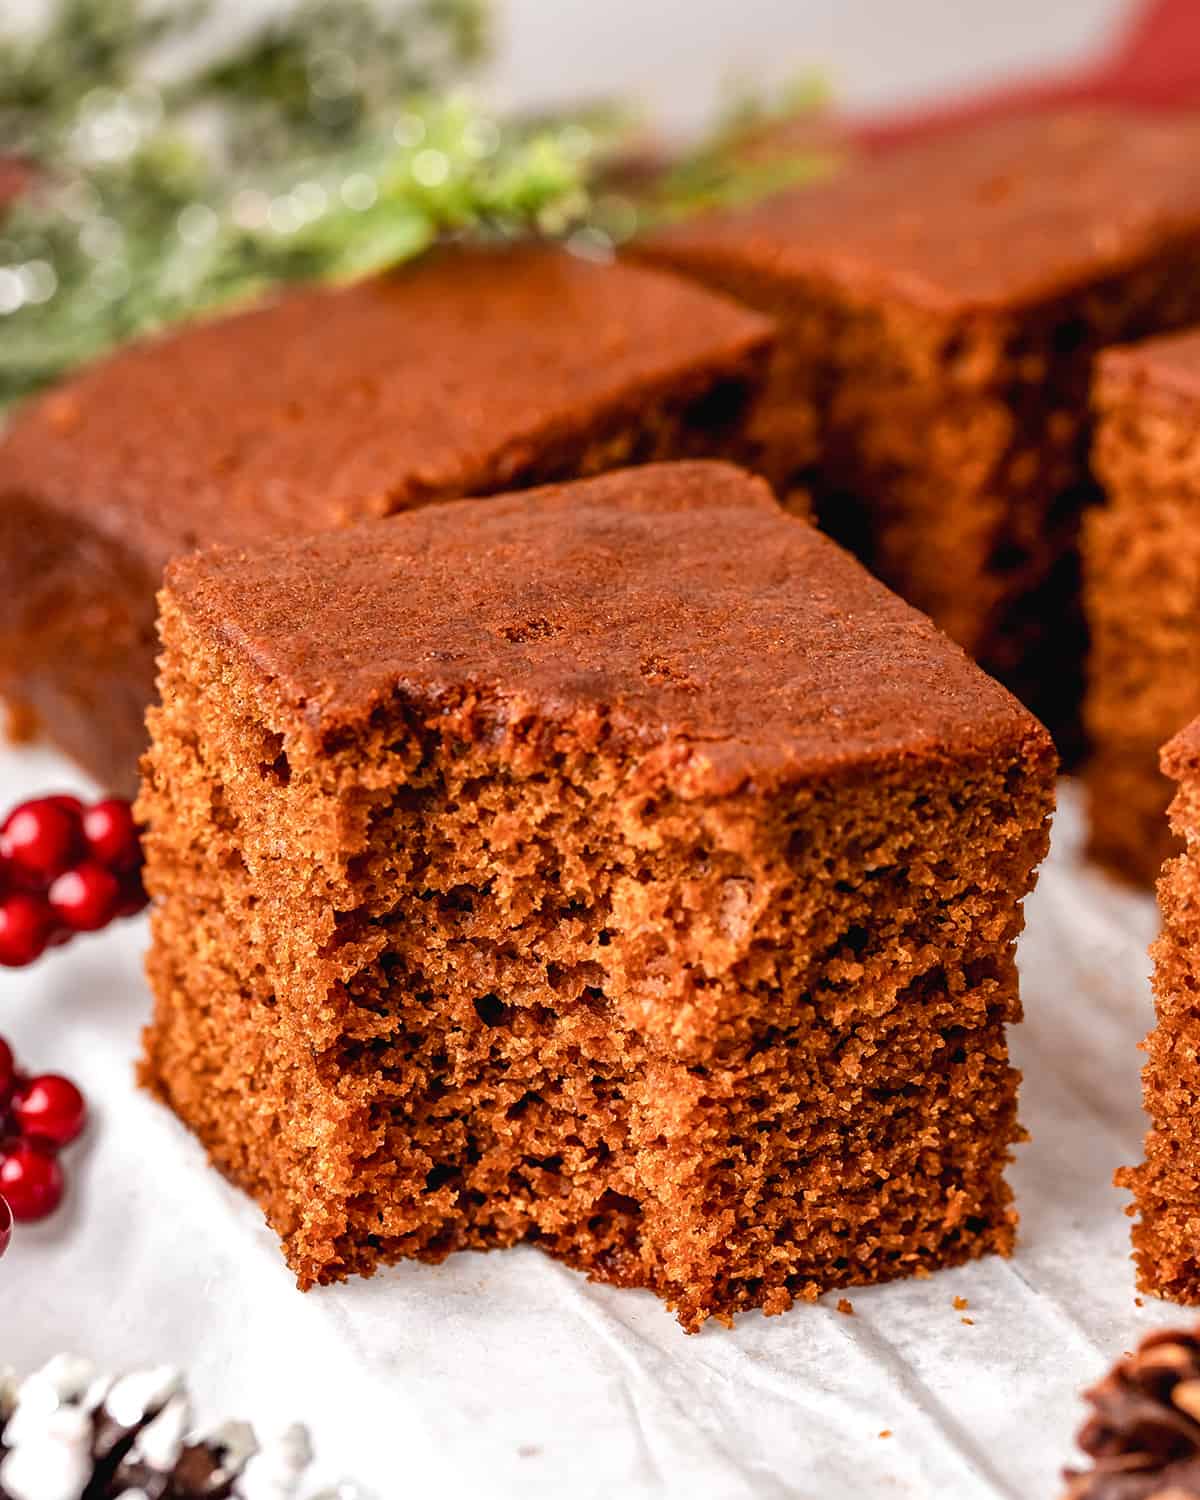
747 157
329 144
326 71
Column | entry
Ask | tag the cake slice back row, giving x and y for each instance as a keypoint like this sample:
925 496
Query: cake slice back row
1142 594
616 867
939 310
471 371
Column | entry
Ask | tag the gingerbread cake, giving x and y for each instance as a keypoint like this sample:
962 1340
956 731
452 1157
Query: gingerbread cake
1141 556
1166 1186
939 309
471 371
1143 1433
616 867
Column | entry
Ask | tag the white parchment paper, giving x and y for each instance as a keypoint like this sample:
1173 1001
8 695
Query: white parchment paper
507 1375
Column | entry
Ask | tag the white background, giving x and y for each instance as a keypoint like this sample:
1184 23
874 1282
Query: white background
506 1375
675 55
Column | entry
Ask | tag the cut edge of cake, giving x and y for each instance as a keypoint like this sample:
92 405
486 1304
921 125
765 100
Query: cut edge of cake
1165 1185
499 976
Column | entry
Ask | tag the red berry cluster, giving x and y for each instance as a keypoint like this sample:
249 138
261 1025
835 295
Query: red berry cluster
38 1117
65 868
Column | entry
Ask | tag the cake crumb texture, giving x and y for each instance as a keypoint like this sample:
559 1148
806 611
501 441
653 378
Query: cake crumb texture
636 878
1141 550
1166 1185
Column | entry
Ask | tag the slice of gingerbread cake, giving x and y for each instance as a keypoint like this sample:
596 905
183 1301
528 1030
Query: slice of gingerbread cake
939 310
1166 1186
473 370
616 867
1141 552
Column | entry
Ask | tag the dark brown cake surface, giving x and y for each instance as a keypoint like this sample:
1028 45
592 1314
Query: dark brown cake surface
329 405
673 602
471 371
635 877
939 309
1014 213
1141 554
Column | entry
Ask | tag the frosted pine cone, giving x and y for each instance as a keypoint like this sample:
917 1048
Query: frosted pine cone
68 1433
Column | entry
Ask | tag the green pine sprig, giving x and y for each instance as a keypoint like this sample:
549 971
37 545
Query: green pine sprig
335 142
329 146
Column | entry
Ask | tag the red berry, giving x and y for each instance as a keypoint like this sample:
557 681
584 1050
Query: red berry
31 1179
40 839
112 835
8 1071
25 925
72 806
85 898
51 1108
6 1224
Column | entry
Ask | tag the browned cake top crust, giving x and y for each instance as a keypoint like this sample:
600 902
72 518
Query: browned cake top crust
330 405
671 606
1170 365
1005 215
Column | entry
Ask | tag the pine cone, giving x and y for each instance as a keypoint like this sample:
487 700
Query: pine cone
67 1433
1144 1434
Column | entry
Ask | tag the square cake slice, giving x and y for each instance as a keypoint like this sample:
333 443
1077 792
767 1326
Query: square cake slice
471 371
617 867
1141 559
1166 1185
939 308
